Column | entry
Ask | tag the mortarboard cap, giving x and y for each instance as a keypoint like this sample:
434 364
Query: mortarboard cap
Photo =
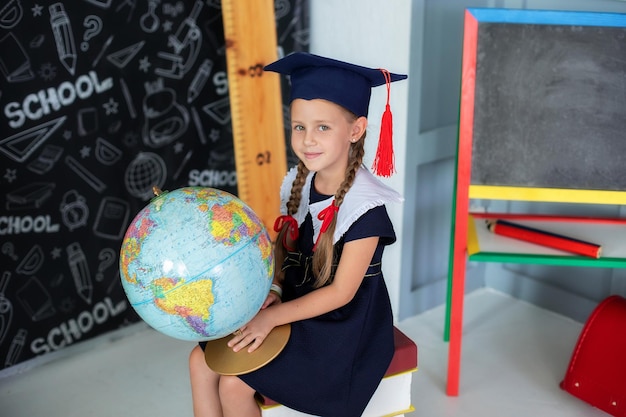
314 76
349 85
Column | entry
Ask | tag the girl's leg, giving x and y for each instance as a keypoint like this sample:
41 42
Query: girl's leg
237 398
204 386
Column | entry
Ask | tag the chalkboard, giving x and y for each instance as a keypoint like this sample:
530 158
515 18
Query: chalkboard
100 100
550 104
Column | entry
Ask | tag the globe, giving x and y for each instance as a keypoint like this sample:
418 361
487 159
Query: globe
196 263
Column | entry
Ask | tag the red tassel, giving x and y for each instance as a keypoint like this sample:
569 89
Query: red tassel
384 160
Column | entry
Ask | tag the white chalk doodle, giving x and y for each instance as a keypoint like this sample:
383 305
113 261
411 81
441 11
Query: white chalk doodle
94 26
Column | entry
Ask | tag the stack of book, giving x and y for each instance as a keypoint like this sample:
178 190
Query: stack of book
393 396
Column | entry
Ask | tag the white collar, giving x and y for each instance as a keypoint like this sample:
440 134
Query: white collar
366 192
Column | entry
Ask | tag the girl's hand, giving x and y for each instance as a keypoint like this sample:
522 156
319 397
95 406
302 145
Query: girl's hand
272 298
254 333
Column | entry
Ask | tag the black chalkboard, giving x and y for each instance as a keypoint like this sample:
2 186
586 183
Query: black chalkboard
550 106
100 100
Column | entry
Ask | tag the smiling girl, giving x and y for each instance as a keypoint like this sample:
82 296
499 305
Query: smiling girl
331 237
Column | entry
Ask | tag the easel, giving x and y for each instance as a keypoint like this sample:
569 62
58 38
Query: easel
472 183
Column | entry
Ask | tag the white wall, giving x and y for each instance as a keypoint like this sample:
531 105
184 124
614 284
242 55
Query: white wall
373 33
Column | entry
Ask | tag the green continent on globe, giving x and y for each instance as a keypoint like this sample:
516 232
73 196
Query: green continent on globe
229 221
189 300
229 226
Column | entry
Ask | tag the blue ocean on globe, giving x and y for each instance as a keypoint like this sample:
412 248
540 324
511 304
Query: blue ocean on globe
196 263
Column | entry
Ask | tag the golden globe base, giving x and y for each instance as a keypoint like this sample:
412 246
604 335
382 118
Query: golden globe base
223 360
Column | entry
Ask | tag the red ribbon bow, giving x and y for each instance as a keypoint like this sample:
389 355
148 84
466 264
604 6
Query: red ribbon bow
292 229
326 216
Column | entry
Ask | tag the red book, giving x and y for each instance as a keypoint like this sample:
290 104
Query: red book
540 237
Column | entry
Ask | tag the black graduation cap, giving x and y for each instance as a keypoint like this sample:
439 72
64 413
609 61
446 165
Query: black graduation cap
314 76
349 85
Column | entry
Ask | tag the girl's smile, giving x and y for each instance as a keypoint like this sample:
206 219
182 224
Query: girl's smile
321 135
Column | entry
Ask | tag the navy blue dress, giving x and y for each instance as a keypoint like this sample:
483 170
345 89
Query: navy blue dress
333 363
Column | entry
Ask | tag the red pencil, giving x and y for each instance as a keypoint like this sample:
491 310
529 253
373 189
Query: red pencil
540 237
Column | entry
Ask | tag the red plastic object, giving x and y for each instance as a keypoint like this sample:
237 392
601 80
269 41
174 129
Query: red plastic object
597 370
541 237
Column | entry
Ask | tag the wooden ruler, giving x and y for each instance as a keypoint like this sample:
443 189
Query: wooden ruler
256 105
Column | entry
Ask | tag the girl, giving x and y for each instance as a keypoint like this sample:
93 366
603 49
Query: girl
330 243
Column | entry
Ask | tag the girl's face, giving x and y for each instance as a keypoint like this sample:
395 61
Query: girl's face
321 134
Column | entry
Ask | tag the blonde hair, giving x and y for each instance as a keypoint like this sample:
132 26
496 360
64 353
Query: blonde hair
323 257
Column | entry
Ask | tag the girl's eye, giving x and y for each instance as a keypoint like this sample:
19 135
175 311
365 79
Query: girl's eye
324 128
298 127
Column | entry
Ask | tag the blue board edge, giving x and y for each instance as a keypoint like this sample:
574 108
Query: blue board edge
548 17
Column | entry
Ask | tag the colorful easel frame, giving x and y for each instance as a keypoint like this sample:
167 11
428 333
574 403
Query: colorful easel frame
464 190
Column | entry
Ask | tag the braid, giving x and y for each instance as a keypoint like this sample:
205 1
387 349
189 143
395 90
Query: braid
280 251
296 189
323 258
354 162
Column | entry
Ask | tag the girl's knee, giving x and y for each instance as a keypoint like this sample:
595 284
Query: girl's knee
233 387
196 359
237 398
195 352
